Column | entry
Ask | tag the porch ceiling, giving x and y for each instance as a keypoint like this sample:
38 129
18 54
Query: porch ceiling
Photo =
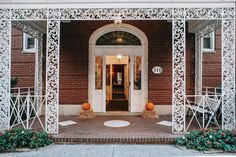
194 26
40 26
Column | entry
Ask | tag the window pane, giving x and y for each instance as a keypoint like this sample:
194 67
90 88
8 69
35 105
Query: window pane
207 43
137 73
30 43
98 72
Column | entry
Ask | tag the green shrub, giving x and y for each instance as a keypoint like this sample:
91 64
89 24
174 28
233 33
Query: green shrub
204 140
20 138
13 82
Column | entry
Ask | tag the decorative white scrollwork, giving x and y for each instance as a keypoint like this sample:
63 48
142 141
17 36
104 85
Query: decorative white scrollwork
5 55
203 13
53 14
178 75
29 14
110 14
228 13
52 76
5 14
179 15
228 74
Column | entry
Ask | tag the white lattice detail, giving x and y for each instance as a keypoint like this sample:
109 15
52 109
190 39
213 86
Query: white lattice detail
5 59
178 74
203 13
29 14
5 14
178 14
54 14
52 75
228 13
228 74
111 13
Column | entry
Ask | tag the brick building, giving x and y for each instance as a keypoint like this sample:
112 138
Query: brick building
74 61
117 56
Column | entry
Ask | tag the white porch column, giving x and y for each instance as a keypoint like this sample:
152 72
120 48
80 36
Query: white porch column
39 69
178 74
198 66
228 69
52 71
5 68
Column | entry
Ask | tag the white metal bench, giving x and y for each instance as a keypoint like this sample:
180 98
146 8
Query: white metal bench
204 105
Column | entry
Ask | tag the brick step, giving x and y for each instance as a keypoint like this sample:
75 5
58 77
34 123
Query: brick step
87 140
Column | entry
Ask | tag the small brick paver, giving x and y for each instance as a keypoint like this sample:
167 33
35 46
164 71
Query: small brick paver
140 131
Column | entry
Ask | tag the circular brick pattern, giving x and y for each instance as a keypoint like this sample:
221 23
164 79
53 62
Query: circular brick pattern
116 123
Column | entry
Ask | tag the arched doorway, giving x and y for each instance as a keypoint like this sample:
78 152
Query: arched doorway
112 41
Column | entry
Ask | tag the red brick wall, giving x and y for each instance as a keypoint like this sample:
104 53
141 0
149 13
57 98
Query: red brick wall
211 64
22 64
74 60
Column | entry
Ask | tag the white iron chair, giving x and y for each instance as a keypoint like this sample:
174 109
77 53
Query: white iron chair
205 105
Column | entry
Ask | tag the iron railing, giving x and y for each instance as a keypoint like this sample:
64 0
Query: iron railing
26 108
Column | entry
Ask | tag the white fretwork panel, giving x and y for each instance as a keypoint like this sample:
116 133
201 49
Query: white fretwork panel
52 76
110 14
178 75
29 14
5 14
228 74
124 13
203 13
5 59
178 14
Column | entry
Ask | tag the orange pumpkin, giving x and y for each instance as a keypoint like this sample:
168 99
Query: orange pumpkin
149 106
86 106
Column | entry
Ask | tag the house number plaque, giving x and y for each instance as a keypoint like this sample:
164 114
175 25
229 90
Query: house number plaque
157 70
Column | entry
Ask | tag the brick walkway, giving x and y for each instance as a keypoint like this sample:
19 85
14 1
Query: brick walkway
140 131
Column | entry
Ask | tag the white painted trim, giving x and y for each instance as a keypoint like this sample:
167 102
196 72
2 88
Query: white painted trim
109 1
99 51
31 50
212 38
119 5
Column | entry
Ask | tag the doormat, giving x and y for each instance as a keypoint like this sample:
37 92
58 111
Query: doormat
66 123
164 122
116 123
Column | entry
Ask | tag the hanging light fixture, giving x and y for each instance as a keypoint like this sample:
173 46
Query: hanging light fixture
119 57
118 21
